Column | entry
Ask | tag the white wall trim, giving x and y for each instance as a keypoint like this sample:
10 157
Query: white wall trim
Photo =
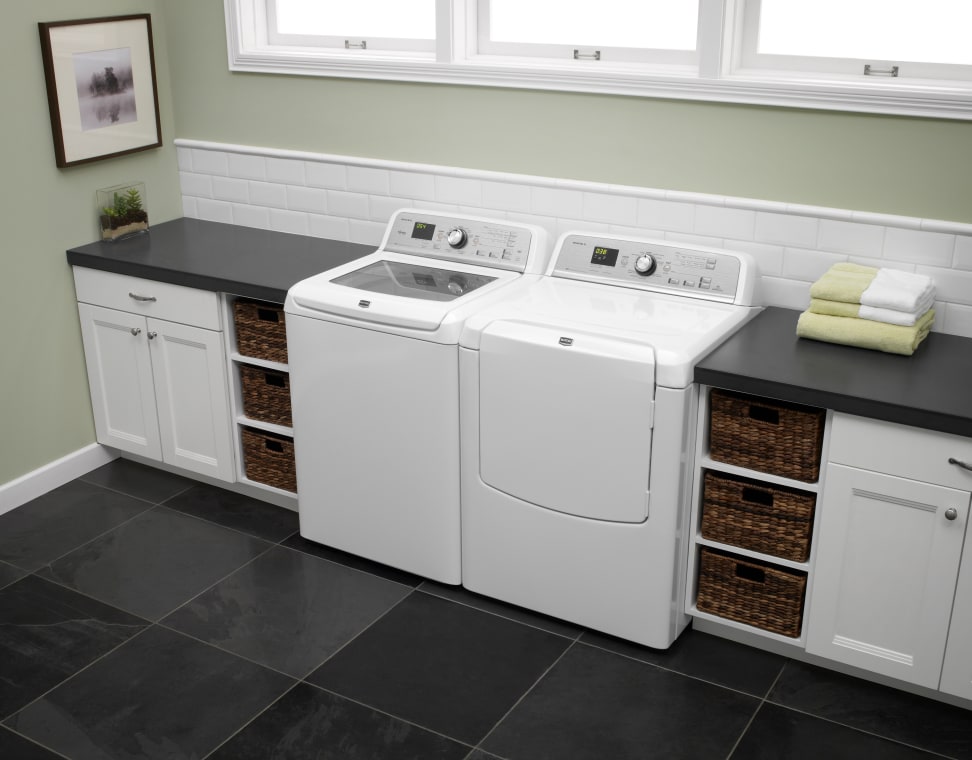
53 475
676 196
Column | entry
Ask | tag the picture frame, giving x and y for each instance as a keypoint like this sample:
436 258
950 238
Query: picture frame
101 87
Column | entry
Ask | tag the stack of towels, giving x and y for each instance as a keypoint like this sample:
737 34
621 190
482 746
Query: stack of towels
881 309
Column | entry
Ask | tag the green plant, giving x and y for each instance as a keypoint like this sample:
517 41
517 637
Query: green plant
124 204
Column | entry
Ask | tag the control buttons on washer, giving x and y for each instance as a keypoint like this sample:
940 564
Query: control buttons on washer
456 237
645 264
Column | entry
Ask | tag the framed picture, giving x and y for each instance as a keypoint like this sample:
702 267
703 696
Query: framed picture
101 87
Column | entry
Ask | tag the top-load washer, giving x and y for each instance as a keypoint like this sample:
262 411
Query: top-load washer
373 357
578 419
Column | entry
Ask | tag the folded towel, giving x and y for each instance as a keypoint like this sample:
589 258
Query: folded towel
874 313
903 291
863 333
843 282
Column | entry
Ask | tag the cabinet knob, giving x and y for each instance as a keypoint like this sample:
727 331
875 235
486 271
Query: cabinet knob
136 330
951 513
152 334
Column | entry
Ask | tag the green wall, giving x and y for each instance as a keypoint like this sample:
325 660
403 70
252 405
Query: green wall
914 167
44 408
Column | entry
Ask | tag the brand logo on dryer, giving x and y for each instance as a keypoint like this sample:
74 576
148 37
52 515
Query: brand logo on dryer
566 341
364 304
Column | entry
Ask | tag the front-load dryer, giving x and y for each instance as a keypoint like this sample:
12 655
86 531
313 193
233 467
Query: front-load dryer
577 419
374 372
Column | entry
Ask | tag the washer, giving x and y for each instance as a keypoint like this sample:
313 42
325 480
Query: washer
373 356
578 424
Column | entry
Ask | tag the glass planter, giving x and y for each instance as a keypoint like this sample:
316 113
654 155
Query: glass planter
121 211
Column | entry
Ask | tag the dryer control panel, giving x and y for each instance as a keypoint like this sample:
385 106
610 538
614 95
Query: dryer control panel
661 266
471 240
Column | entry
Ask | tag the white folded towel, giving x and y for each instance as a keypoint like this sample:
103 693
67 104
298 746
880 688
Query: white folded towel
895 317
900 291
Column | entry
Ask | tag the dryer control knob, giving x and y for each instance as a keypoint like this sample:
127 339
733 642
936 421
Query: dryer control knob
456 237
645 264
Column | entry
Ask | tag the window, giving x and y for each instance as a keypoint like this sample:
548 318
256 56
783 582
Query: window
805 53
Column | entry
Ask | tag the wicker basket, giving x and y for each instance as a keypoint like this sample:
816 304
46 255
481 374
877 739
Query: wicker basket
261 331
269 458
756 516
751 592
765 435
266 395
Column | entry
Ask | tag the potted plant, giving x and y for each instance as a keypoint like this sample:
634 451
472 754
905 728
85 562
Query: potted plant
121 211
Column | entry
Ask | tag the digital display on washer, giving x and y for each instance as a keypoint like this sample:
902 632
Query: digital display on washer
423 231
606 257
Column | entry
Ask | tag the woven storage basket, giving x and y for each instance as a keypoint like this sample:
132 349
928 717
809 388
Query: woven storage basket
765 435
261 331
269 459
756 516
751 592
266 395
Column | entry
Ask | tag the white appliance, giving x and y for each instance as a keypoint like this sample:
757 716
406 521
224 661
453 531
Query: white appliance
578 419
374 371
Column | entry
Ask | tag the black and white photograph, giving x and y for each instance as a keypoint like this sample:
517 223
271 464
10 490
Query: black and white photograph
101 87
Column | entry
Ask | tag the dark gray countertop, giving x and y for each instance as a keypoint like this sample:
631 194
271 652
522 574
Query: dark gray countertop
221 257
931 389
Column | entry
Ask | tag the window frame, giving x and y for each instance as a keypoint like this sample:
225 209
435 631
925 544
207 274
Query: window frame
718 76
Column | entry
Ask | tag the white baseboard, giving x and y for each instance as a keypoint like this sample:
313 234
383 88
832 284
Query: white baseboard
53 475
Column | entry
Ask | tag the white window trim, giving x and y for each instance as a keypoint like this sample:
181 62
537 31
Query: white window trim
455 62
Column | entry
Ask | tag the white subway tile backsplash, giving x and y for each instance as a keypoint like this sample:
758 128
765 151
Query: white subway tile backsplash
251 216
717 221
786 229
792 244
284 220
310 199
467 192
611 209
419 187
246 166
351 205
231 189
326 175
851 238
364 179
930 248
286 171
506 196
666 215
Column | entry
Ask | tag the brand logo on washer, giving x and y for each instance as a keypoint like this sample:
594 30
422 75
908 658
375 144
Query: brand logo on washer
364 304
566 341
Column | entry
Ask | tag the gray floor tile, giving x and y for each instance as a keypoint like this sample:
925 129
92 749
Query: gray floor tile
288 610
16 747
160 695
9 574
59 521
301 544
155 562
233 510
138 480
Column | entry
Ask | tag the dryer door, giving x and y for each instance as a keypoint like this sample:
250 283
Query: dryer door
566 418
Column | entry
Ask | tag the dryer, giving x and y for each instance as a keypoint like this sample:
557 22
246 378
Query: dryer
374 371
577 420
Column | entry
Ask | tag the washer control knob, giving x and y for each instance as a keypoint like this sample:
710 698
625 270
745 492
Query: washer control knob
456 237
645 264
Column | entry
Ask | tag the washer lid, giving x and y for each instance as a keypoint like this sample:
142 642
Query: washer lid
409 280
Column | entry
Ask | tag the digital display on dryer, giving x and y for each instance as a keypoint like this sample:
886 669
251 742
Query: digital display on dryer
423 231
606 257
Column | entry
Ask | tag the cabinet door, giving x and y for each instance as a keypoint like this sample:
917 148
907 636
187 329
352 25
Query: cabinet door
190 388
885 573
119 365
957 670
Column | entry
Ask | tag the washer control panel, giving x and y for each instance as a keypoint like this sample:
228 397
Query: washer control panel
472 240
661 266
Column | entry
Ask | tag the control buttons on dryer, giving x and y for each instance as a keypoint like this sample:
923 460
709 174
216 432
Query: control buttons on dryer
456 237
645 264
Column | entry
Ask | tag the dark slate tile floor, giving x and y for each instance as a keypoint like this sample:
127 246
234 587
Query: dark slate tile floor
143 615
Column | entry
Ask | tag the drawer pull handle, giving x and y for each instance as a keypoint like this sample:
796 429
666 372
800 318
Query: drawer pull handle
764 414
960 463
951 513
749 573
137 297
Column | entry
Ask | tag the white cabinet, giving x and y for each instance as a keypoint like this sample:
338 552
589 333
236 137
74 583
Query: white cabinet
893 524
957 668
156 368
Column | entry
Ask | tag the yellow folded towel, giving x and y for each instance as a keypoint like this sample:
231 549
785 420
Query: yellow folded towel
864 333
834 308
843 282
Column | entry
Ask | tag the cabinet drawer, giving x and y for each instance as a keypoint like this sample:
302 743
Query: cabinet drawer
901 450
162 300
